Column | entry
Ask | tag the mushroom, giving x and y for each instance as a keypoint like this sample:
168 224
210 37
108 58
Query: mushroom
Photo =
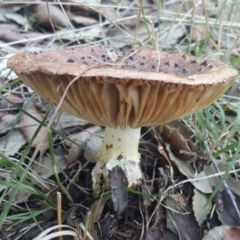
145 88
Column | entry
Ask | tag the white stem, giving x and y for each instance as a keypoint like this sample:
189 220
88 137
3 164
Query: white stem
119 148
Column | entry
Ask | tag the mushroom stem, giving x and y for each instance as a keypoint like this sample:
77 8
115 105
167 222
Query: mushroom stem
119 148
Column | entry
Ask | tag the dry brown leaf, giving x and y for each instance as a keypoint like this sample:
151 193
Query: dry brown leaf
15 17
188 171
14 143
233 183
89 33
6 30
86 21
198 33
233 233
223 232
28 126
179 220
119 38
5 176
169 34
234 90
5 106
21 196
45 167
96 210
175 139
65 120
93 145
200 211
10 33
2 16
80 139
57 17
227 213
6 123
216 233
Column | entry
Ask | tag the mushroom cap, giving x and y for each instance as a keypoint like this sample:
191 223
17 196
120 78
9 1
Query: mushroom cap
145 88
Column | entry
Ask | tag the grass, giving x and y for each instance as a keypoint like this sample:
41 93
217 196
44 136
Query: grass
216 135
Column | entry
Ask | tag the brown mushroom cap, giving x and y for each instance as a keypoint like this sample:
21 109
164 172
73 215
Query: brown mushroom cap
145 88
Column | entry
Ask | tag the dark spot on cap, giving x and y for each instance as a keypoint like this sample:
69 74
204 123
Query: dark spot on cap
197 99
199 70
156 24
120 156
89 57
204 63
70 60
185 71
210 66
167 64
108 58
176 65
92 50
103 56
85 63
194 61
142 63
131 58
153 67
109 146
83 57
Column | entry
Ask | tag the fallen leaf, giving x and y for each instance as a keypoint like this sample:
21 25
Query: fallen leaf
93 145
222 165
86 21
65 120
169 34
15 17
48 13
119 38
96 210
227 215
12 145
86 33
10 33
79 141
199 209
45 167
175 139
28 126
6 123
179 219
186 168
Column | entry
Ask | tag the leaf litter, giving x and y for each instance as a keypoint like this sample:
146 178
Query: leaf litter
172 201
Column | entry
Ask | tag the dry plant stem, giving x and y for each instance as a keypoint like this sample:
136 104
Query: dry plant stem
119 148
137 24
86 225
59 213
224 183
